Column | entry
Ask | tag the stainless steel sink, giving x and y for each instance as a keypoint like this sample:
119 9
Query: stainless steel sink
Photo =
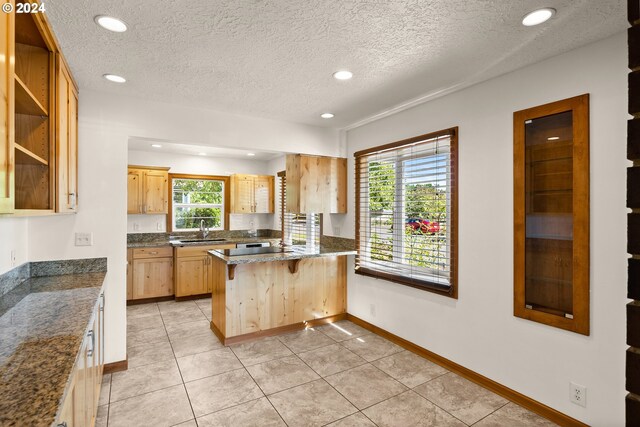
202 240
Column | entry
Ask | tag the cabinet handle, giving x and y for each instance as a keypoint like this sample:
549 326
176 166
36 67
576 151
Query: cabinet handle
144 209
140 208
102 301
153 253
93 343
63 424
73 200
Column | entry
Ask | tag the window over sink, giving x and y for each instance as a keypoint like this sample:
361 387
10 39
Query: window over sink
198 198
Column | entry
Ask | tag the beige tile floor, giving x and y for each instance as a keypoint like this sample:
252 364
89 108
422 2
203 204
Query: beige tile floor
336 375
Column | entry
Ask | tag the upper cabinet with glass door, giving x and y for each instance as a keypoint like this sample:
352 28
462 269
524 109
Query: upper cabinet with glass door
551 214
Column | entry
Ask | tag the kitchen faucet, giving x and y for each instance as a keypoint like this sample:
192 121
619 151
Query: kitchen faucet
204 230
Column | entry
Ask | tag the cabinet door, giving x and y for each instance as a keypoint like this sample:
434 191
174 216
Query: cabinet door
72 185
263 194
192 276
156 192
242 198
129 274
152 277
7 59
80 388
66 139
134 191
90 377
66 413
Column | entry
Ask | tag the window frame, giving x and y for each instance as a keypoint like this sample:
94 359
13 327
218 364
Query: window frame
226 198
451 290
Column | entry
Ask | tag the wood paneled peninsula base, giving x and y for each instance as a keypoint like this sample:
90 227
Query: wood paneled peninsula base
270 293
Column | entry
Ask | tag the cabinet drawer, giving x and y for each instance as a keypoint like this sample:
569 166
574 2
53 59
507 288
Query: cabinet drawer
200 250
155 252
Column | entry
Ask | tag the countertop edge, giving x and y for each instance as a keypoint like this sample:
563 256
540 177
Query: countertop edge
250 259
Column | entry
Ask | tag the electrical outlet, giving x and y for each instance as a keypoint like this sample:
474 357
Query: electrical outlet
13 258
84 239
136 226
159 226
372 310
336 231
578 394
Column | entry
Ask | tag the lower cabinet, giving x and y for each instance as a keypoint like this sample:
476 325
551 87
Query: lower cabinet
192 269
80 405
150 273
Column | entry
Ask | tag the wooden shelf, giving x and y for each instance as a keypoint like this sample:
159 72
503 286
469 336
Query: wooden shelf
26 102
26 157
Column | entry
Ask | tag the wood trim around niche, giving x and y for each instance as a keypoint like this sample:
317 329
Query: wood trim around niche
579 105
227 195
514 396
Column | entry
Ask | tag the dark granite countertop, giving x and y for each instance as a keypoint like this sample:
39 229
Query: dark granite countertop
148 244
231 240
43 321
297 252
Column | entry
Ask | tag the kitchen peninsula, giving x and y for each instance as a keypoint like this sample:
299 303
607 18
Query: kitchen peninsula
267 291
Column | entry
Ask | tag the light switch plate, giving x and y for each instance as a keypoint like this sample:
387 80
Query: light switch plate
84 239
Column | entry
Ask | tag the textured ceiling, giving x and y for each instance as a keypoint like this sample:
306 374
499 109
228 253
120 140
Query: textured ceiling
274 58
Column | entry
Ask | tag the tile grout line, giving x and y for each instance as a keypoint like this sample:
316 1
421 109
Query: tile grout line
175 359
493 412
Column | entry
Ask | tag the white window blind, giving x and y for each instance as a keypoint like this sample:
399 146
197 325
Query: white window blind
406 202
297 228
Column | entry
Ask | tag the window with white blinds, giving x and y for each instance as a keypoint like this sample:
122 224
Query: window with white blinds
297 228
406 212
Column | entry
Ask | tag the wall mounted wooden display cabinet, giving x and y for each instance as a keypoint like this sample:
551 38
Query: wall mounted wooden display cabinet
551 214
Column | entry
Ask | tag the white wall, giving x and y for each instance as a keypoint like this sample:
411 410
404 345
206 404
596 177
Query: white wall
479 330
199 165
106 122
13 243
146 119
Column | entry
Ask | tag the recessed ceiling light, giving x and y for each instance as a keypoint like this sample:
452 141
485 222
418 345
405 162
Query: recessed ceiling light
156 145
553 138
202 154
114 78
251 154
537 17
110 23
343 75
326 115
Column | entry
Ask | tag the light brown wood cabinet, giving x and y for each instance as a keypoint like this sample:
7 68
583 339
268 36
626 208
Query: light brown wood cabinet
80 405
193 269
67 138
150 273
252 193
316 184
147 190
38 115
7 48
